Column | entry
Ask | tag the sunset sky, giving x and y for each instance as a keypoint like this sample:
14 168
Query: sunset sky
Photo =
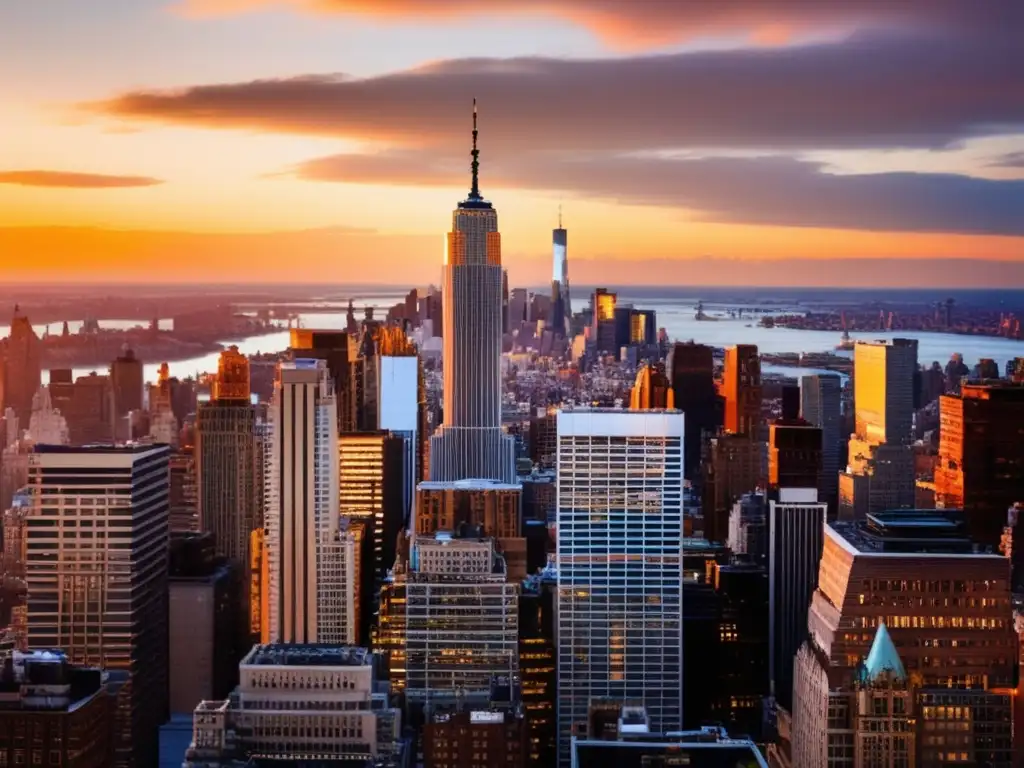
729 142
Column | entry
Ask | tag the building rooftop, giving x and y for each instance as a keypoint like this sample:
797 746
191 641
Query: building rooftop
468 484
883 658
709 747
904 532
120 448
302 655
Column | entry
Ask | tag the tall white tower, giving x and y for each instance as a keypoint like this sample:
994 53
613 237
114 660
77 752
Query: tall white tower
620 577
470 442
310 561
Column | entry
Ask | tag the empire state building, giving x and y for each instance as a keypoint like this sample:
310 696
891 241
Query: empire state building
470 444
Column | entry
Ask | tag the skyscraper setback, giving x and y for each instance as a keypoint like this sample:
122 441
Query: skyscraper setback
470 442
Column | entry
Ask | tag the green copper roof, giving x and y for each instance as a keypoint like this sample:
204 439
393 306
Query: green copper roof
883 658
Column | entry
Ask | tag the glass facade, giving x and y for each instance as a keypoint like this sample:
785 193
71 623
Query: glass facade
620 525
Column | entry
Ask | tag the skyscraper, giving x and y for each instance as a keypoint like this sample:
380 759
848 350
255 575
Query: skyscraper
22 372
620 522
981 455
880 472
341 351
602 326
794 455
311 564
96 571
795 524
742 387
561 307
821 404
229 453
127 379
691 372
651 389
471 442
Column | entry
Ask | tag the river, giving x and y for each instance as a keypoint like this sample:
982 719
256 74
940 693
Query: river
675 315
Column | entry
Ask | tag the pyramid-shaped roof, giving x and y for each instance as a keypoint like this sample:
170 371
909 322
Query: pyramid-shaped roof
883 658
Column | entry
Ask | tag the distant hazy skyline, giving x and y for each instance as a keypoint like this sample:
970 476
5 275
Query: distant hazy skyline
743 142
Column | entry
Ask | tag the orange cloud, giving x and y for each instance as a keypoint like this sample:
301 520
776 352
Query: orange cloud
67 179
636 23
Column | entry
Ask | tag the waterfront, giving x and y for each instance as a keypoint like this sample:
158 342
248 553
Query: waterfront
676 315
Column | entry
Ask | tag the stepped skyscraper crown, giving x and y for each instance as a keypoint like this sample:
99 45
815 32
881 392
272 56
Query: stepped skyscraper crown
471 444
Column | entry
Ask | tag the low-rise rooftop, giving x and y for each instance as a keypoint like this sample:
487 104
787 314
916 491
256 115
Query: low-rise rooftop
907 532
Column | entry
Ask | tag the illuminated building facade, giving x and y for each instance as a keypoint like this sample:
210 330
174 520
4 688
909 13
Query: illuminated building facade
471 736
620 515
651 389
742 390
310 561
96 567
537 664
981 455
561 304
461 619
880 472
128 383
602 331
794 455
402 404
471 443
230 443
947 610
340 350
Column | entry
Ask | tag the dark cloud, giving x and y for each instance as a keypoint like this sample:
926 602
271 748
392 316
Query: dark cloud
869 91
1009 160
74 180
767 190
645 22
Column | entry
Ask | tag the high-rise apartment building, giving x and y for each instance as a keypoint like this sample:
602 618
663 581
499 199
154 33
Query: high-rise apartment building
96 547
821 397
311 564
651 389
561 304
21 373
981 455
461 623
946 608
880 472
471 443
300 704
229 455
742 390
732 468
795 523
620 522
691 372
402 405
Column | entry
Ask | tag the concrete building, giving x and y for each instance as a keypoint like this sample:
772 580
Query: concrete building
732 467
795 523
981 455
651 389
461 624
691 372
471 443
55 714
794 455
20 367
947 610
492 732
297 703
476 507
96 570
821 398
741 387
127 380
203 622
748 527
620 523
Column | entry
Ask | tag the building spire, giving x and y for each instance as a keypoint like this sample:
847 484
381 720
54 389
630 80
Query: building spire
474 190
559 215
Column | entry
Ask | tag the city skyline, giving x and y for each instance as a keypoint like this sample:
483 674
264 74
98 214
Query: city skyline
725 146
